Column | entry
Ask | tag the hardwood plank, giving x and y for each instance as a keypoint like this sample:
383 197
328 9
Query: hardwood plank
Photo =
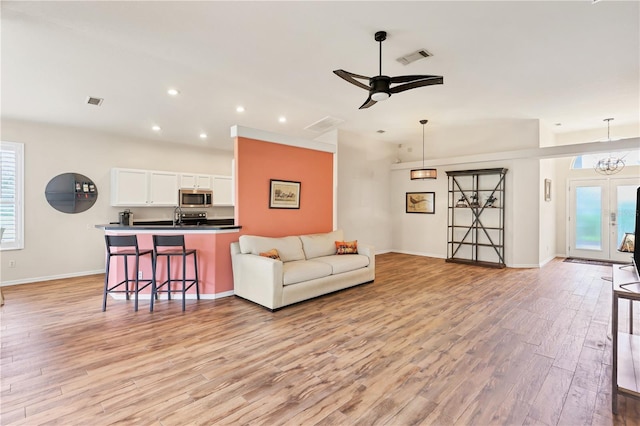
547 406
579 407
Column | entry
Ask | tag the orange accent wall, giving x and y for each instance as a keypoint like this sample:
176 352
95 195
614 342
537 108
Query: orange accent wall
257 162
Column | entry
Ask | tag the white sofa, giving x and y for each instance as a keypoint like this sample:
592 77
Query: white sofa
309 267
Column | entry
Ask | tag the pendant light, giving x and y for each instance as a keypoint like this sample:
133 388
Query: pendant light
423 173
609 165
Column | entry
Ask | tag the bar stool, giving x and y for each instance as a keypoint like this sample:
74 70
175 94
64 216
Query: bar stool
126 246
170 246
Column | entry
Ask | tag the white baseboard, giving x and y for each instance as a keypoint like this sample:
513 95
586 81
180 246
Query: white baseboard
547 260
439 256
50 277
524 265
418 253
383 251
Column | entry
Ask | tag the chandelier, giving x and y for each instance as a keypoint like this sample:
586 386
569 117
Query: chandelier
423 173
609 165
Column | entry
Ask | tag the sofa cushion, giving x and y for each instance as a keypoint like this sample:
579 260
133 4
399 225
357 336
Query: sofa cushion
289 248
271 254
316 245
304 270
347 247
340 264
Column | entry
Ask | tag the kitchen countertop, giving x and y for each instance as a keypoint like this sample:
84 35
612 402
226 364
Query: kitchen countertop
210 225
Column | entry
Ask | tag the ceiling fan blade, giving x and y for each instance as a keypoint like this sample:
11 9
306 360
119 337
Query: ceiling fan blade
420 83
351 78
369 102
410 78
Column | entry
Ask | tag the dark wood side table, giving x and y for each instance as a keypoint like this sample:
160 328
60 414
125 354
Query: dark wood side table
625 378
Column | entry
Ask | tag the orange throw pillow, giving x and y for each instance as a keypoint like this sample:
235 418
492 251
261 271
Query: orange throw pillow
347 247
271 254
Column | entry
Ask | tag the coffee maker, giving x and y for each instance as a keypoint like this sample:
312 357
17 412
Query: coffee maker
126 218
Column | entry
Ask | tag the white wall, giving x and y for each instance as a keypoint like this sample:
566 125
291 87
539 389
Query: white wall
548 211
471 138
58 244
363 190
599 134
426 234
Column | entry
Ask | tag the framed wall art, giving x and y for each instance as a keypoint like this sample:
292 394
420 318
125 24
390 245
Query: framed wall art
421 202
284 194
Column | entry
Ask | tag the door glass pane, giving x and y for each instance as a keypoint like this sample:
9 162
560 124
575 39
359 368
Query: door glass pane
588 218
626 210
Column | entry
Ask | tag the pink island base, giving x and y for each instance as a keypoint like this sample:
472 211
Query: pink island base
214 260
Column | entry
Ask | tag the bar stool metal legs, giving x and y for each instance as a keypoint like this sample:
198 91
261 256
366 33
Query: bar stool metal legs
174 246
125 246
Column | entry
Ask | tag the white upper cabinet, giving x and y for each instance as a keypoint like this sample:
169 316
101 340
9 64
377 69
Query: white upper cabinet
194 181
128 187
163 189
151 188
143 188
223 191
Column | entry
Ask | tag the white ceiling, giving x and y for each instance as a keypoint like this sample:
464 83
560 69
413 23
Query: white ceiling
569 62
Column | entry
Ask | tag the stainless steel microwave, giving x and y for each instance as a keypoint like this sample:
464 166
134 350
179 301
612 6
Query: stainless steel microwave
190 197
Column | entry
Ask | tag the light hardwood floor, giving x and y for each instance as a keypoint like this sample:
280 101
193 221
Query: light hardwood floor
427 343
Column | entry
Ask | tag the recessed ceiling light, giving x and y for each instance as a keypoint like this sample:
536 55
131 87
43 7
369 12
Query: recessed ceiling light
282 119
173 92
203 135
156 128
240 109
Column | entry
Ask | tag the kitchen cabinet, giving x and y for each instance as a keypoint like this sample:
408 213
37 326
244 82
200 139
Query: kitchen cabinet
143 188
163 189
196 181
223 191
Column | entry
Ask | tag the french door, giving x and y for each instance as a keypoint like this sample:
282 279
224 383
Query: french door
600 212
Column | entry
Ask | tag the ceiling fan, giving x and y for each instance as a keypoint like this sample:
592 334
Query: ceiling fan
380 86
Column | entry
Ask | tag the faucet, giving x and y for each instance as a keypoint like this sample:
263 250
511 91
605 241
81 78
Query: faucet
177 216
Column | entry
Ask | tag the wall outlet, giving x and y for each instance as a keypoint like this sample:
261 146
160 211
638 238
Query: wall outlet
12 264
140 275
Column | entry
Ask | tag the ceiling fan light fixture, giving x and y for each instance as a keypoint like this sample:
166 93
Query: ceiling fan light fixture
380 96
423 173
381 87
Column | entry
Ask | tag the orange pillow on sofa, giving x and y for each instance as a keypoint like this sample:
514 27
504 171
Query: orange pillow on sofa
347 247
271 254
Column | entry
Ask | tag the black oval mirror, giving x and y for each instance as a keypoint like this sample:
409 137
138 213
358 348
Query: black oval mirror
71 193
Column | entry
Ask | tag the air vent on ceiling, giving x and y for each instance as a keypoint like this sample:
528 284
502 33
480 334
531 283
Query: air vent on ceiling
415 56
94 101
325 124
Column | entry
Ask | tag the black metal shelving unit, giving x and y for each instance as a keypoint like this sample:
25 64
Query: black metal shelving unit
476 217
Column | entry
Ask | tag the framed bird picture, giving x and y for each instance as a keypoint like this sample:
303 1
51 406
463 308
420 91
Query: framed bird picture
421 202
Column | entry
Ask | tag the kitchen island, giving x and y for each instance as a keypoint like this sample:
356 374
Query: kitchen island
211 239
